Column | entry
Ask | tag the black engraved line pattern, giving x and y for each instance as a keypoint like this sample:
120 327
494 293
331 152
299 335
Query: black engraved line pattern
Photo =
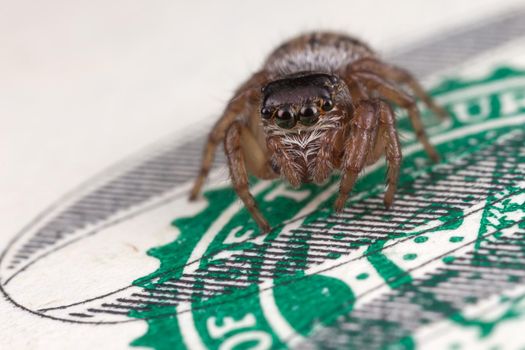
368 220
487 36
440 294
153 177
496 266
178 164
453 48
329 238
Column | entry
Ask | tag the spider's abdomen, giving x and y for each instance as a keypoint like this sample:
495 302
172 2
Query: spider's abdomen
315 52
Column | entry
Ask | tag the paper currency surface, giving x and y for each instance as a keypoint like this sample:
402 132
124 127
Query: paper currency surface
124 260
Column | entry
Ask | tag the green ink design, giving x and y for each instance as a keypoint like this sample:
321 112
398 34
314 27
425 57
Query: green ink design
302 281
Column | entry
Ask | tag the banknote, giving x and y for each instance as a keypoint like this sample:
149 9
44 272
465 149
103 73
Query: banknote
443 268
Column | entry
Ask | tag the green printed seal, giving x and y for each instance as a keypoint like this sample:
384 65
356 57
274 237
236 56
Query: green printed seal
348 280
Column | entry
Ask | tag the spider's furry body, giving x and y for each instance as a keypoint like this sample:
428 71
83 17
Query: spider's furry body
315 52
320 102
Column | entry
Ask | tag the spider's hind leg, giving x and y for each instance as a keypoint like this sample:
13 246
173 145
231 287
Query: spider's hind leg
207 160
399 76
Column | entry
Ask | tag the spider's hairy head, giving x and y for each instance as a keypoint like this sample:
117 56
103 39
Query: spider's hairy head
299 100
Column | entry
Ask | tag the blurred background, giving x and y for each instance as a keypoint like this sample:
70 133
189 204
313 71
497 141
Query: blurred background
86 83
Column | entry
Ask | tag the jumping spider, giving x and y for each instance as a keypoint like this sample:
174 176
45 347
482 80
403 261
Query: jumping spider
320 102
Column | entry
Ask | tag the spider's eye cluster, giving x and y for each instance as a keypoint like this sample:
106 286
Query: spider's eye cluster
287 116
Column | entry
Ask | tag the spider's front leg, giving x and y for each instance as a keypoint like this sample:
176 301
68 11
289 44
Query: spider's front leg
247 95
239 176
363 132
393 155
394 94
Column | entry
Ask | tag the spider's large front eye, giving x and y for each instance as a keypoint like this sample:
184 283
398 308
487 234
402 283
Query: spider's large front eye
308 115
285 118
266 112
328 104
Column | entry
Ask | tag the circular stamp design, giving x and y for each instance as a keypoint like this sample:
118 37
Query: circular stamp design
317 278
